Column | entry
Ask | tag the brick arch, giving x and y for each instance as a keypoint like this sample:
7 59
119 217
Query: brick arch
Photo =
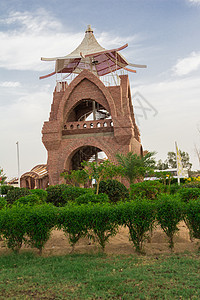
67 153
78 90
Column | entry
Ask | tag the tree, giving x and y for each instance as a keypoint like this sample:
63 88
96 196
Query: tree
135 166
170 162
101 171
75 177
2 177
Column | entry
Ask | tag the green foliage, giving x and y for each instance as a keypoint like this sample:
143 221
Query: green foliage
28 200
71 193
115 190
192 217
146 189
55 194
74 222
102 171
5 188
174 188
92 198
192 184
13 226
3 203
41 220
139 217
15 194
42 194
169 213
103 223
135 166
2 177
187 194
170 162
76 177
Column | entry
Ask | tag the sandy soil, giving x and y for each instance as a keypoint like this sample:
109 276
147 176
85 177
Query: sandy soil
120 244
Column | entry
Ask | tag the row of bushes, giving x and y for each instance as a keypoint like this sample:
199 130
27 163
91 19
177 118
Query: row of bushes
60 195
33 224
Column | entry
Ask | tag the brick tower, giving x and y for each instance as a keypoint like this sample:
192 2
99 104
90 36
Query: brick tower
91 114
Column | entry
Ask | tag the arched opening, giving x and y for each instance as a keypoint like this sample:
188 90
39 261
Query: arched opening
86 153
87 110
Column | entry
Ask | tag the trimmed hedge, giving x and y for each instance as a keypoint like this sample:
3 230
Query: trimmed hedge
91 198
139 216
170 211
33 224
187 194
28 200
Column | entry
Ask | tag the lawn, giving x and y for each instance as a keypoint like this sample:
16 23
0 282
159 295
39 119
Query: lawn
83 276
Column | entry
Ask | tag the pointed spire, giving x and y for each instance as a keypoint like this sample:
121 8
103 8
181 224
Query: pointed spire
89 29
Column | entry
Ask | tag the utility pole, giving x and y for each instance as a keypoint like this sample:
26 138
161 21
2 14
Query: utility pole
17 143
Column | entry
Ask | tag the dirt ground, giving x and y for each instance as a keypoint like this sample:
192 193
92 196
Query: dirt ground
119 244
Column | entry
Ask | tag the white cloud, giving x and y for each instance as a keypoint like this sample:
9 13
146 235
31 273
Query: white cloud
10 84
196 2
40 34
188 64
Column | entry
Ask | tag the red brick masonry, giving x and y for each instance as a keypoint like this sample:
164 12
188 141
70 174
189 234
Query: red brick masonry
63 138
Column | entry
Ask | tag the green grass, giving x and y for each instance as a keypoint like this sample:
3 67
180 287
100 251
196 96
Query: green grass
26 276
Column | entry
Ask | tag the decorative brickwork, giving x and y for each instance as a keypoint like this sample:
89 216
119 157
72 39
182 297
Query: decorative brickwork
69 130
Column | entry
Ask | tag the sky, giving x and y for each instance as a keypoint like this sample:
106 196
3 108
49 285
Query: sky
163 34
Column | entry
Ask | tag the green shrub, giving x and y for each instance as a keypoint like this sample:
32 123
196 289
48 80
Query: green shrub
5 188
139 217
71 193
15 194
192 184
174 188
146 189
187 194
115 190
91 197
192 216
103 223
73 220
169 213
42 194
13 226
55 194
3 203
40 222
28 200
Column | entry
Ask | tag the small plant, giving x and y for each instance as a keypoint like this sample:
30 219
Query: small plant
13 226
40 222
192 215
73 220
102 223
115 190
169 214
139 217
4 189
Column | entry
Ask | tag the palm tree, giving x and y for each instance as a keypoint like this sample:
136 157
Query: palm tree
135 166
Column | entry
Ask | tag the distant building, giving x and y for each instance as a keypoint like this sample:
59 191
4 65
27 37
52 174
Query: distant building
37 178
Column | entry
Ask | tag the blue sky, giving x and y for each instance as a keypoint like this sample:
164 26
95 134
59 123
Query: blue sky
164 34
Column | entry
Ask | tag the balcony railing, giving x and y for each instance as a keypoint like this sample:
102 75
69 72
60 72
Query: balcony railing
84 127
